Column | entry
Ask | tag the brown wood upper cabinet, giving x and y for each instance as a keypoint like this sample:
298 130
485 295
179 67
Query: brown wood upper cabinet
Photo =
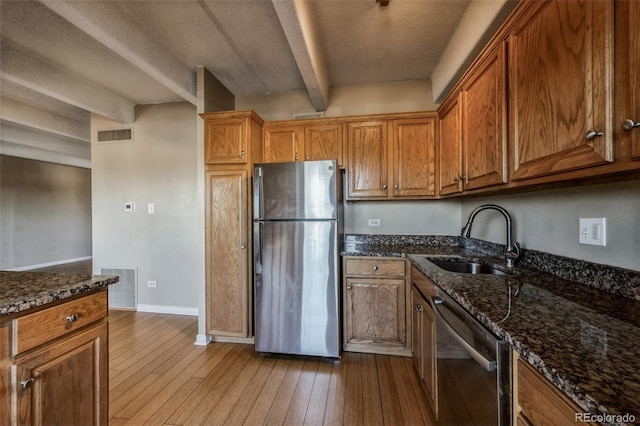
627 45
391 157
473 123
287 141
560 87
225 141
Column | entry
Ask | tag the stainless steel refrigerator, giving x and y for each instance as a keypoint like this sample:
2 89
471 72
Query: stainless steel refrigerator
297 228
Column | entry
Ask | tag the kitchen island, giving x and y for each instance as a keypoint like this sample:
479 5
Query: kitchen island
582 338
54 348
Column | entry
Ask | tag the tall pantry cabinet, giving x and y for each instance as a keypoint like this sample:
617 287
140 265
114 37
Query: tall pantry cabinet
233 142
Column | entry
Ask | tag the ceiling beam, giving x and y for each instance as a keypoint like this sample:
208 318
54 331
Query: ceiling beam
297 23
108 25
14 134
22 68
31 116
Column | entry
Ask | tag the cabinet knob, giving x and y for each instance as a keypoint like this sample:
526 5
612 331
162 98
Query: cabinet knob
418 308
306 158
72 318
348 288
629 124
243 247
27 383
242 153
396 186
297 158
591 134
375 268
384 186
463 178
456 179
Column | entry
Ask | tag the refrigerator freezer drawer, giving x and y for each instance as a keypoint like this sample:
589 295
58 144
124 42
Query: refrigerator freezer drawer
296 288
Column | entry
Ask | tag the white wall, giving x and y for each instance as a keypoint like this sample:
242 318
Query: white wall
403 96
45 213
548 221
159 167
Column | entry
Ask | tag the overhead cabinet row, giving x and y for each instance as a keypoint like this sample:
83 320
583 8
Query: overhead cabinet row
555 96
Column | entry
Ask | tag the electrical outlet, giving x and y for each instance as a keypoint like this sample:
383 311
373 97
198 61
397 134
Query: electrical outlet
593 231
151 208
374 222
130 206
152 284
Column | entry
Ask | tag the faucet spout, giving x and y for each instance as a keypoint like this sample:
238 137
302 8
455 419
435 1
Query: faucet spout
512 249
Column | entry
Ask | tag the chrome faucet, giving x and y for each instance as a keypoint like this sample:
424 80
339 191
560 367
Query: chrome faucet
512 249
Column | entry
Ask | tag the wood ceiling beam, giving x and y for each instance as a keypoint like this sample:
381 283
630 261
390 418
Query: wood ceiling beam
297 23
108 25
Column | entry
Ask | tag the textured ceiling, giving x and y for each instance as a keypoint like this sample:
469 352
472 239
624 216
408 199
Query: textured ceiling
105 57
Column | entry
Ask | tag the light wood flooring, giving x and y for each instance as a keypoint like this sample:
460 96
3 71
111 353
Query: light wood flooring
159 377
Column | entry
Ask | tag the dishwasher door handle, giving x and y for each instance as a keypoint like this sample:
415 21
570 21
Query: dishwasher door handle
487 364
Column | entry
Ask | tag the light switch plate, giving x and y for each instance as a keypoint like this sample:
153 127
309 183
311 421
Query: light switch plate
593 231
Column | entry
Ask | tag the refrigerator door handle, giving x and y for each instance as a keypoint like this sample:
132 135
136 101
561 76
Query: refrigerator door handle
257 249
257 193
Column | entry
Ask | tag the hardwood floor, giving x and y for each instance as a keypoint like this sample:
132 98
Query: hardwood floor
159 377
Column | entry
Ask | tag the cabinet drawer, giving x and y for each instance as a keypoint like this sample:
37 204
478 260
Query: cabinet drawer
541 403
43 326
376 267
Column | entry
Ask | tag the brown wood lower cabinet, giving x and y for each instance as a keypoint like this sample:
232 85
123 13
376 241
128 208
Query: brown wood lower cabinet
539 402
63 380
375 300
424 346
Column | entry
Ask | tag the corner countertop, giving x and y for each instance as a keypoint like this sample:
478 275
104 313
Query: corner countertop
20 291
584 340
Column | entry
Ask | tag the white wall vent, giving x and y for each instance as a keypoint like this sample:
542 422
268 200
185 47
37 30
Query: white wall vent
123 294
308 115
115 135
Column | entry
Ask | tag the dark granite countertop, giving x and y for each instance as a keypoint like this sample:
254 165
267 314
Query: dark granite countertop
20 291
583 339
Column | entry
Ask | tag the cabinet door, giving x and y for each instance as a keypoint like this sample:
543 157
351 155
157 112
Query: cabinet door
283 144
375 311
560 86
228 270
450 147
429 355
414 157
367 160
225 141
417 303
323 142
485 123
63 384
633 85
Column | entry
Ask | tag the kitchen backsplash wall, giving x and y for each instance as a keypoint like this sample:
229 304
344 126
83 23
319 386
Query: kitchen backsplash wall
547 221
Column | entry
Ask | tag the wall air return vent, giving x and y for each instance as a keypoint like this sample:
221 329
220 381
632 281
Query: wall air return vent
308 115
115 135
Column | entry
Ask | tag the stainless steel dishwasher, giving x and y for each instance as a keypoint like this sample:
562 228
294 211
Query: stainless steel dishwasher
474 369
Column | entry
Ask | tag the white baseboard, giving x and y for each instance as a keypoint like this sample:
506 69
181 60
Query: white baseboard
173 310
202 340
46 265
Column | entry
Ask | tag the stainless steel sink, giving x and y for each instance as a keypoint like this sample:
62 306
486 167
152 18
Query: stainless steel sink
468 267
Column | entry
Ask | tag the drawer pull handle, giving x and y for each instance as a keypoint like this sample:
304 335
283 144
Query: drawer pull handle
72 318
375 268
27 383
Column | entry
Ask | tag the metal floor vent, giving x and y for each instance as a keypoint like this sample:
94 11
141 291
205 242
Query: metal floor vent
123 293
115 135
